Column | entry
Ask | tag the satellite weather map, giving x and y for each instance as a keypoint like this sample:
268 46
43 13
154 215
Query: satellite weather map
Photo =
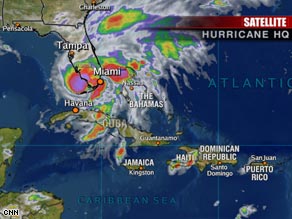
161 109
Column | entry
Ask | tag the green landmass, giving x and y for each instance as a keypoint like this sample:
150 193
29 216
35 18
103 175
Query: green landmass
33 204
129 167
127 131
8 138
38 15
60 117
83 115
202 164
47 16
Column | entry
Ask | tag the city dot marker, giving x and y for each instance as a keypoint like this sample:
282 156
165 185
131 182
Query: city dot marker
75 110
131 88
219 162
100 81
140 168
158 142
17 24
93 2
71 53
265 163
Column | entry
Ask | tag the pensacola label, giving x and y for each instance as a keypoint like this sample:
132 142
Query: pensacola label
17 29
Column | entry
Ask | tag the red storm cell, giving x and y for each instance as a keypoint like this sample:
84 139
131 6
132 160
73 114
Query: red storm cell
98 91
120 152
135 65
115 19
